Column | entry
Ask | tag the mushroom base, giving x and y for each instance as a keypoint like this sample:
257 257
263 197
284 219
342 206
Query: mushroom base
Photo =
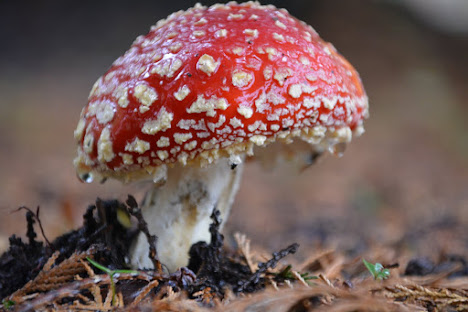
178 212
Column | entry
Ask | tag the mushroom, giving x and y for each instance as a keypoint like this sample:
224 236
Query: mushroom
203 89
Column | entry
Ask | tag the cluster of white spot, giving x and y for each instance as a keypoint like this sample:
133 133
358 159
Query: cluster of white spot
188 124
297 89
174 48
127 159
198 33
311 77
137 146
121 94
212 126
239 51
221 33
258 124
304 60
174 150
163 142
236 122
208 106
88 140
275 127
224 130
202 21
94 88
170 35
161 123
79 131
280 24
146 95
207 64
272 52
245 111
104 85
180 138
258 139
287 122
311 102
253 33
261 103
241 79
254 63
105 152
167 67
282 73
162 154
329 103
182 93
103 110
278 37
267 72
190 146
235 17
274 96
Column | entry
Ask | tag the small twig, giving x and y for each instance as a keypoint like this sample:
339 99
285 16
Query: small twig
217 238
144 291
143 227
30 233
264 266
51 261
301 279
36 216
326 280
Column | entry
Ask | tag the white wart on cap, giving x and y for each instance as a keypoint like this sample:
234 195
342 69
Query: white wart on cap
214 82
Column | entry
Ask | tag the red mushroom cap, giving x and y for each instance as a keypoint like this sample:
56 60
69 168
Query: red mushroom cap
213 82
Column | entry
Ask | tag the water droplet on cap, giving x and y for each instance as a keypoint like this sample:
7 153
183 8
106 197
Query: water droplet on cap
160 175
338 149
86 177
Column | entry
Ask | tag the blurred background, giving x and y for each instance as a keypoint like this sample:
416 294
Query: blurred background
404 182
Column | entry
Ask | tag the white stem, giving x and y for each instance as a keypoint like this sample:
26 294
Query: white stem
179 211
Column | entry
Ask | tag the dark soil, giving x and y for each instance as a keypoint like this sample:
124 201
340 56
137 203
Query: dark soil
23 261
216 269
212 269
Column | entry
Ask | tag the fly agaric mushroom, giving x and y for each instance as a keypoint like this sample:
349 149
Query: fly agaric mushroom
198 92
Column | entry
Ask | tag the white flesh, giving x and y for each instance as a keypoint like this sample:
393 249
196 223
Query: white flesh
178 212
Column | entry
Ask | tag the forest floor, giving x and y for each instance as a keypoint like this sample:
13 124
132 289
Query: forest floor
85 270
397 197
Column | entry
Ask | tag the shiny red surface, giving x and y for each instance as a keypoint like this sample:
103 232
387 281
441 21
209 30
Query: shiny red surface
335 76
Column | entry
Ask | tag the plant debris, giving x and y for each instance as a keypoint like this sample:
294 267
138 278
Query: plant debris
24 261
86 270
59 273
143 227
216 269
377 270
